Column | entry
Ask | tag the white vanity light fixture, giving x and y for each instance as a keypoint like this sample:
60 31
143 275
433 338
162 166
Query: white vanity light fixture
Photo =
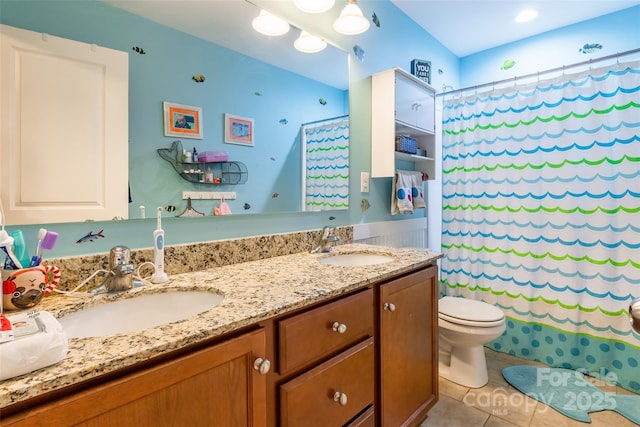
351 20
308 43
269 25
314 6
526 15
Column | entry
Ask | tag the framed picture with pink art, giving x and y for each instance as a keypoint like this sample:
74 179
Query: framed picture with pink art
183 121
238 130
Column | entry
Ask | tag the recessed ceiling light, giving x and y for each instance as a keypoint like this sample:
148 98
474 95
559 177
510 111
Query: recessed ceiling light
526 15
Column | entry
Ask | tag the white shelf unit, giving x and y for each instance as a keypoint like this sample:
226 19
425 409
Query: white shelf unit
401 104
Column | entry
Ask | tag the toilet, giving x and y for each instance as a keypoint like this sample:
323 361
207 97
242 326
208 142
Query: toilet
465 325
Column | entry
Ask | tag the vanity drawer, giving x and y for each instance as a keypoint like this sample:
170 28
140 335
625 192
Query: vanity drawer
325 330
332 393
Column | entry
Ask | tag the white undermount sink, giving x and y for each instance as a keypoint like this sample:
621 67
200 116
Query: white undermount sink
137 313
355 259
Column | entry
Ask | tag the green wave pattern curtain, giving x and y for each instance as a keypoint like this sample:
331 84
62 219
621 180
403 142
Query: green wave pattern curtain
541 216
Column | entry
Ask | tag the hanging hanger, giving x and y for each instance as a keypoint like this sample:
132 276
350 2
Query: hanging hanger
189 211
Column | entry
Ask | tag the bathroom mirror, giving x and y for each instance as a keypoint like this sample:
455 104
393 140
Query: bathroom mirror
204 55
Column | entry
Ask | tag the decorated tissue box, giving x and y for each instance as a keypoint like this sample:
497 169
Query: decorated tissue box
213 156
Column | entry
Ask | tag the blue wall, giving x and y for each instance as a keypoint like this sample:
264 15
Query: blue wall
616 32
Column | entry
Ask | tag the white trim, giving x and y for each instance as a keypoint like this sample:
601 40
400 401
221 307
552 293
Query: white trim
408 233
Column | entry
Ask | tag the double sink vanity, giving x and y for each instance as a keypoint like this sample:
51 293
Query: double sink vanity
346 338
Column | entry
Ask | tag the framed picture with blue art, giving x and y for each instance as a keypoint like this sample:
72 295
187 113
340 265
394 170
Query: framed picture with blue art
238 130
182 120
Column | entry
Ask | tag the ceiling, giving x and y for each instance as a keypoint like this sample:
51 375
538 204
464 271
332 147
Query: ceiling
228 23
470 26
463 26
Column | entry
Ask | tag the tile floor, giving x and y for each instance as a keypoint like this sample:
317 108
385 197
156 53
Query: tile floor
499 405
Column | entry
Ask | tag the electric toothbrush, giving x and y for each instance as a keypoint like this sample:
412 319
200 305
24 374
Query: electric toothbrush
159 276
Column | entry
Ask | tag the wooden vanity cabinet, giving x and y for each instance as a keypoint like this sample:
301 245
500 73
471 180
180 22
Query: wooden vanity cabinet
326 364
367 358
308 337
215 386
408 346
332 393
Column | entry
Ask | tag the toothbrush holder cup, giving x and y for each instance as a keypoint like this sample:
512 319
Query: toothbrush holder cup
24 288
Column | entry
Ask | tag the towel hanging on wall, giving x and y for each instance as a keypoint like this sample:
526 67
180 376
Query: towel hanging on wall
401 199
406 192
417 197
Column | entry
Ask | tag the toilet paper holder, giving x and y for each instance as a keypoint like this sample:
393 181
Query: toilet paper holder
634 314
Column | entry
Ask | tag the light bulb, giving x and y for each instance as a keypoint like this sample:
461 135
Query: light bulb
309 44
351 20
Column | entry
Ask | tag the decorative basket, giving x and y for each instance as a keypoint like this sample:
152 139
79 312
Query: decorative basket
406 144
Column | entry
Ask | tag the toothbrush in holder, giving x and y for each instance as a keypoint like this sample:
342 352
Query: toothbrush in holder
159 276
46 240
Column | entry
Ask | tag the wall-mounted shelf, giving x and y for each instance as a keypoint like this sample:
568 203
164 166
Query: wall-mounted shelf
209 173
401 104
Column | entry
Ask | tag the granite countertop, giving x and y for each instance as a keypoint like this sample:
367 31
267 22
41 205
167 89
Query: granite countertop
253 291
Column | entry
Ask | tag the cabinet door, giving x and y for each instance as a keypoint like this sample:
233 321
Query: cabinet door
408 348
217 386
414 104
64 129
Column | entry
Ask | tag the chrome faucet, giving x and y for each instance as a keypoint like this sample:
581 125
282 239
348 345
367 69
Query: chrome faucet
120 276
326 239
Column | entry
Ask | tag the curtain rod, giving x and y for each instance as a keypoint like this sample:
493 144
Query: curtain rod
325 120
552 70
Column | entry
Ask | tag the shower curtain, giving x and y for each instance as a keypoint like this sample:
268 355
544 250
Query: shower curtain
326 165
541 216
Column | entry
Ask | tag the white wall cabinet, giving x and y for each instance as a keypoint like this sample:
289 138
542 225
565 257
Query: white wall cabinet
401 104
64 128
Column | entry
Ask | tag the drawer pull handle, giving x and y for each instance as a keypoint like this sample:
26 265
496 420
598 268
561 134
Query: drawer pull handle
389 307
262 365
340 328
340 398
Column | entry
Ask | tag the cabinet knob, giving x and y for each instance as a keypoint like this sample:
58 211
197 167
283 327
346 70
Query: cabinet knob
340 328
262 365
389 307
341 398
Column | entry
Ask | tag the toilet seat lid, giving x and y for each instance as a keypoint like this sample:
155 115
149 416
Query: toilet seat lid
466 309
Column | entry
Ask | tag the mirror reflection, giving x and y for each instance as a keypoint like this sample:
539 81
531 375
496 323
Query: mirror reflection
207 56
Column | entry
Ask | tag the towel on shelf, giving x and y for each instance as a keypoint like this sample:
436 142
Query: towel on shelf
401 199
416 191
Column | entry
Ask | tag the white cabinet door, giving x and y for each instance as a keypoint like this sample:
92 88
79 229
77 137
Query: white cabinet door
414 104
64 129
